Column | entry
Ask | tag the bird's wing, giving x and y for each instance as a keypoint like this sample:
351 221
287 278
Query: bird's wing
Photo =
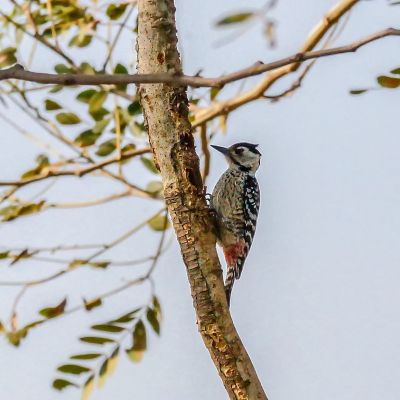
251 205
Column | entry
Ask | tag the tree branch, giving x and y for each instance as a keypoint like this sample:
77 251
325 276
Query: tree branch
79 172
315 36
170 134
18 71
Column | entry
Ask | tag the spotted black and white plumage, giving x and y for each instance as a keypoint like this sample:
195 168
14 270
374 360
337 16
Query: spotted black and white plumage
236 201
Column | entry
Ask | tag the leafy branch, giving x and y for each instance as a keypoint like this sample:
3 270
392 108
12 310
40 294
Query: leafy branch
114 334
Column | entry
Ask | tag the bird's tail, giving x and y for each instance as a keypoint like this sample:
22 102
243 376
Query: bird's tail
229 280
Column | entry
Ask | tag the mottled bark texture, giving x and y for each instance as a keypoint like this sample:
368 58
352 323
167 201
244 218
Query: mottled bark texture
170 134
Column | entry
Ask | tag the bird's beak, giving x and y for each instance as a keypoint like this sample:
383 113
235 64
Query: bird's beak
222 150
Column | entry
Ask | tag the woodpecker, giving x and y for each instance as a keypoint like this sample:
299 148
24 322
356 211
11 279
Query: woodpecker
235 202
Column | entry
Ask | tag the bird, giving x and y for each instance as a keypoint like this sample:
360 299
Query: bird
235 202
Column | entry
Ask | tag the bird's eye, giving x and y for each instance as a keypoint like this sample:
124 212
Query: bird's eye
239 151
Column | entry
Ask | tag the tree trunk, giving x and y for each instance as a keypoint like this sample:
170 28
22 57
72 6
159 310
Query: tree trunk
170 135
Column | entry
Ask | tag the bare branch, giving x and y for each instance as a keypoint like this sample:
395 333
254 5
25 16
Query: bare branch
18 71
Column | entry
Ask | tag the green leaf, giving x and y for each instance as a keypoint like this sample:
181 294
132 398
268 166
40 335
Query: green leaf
149 164
106 148
31 208
68 118
101 125
154 187
235 18
86 95
8 213
388 82
52 312
60 384
56 88
4 254
152 318
73 369
135 108
128 147
99 114
42 160
159 223
99 264
87 69
62 69
115 11
395 71
14 337
96 340
129 317
108 328
14 211
31 173
80 40
214 92
157 307
7 57
139 346
88 356
358 91
52 105
77 263
97 100
87 138
120 69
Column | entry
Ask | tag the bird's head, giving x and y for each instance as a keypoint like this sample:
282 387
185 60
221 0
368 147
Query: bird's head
243 156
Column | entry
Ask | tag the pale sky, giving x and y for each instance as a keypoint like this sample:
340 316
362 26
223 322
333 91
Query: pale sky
317 306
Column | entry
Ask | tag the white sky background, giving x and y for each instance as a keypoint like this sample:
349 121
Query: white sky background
317 305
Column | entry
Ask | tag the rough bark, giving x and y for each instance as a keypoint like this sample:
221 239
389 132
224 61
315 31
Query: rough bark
170 134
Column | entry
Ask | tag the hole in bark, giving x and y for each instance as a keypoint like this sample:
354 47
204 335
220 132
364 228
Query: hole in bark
193 177
161 58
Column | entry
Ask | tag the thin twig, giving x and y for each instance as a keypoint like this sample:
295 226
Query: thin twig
46 146
39 38
90 203
117 36
85 261
159 248
205 150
